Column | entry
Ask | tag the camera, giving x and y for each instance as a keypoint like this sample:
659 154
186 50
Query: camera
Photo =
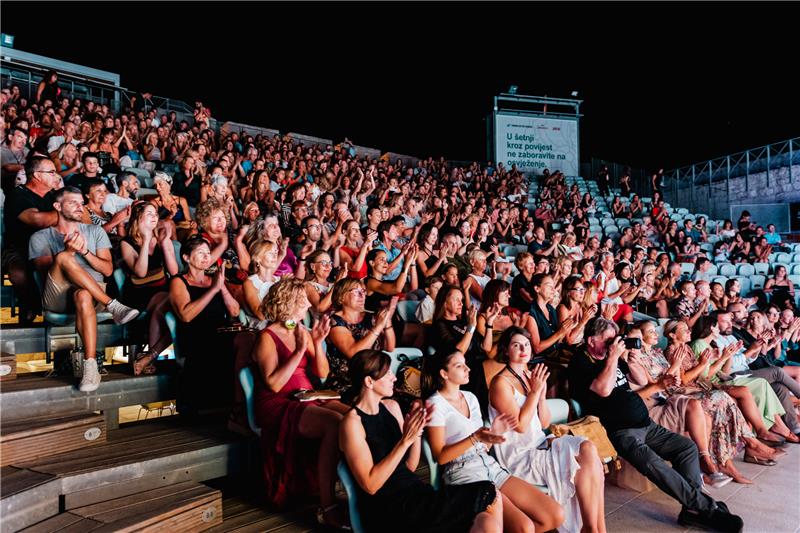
632 343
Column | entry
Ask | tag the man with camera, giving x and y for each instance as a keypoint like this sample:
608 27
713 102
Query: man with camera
597 380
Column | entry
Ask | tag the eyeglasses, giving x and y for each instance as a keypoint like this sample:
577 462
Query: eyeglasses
578 289
358 292
324 263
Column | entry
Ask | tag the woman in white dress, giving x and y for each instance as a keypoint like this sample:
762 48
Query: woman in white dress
569 466
460 444
263 262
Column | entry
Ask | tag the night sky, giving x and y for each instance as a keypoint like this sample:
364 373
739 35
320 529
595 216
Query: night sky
663 84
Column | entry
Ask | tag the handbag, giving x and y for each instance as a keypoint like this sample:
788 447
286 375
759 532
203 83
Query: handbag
590 428
409 376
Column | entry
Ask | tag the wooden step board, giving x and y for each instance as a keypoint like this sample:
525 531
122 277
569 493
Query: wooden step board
33 395
142 456
28 440
187 506
26 497
242 514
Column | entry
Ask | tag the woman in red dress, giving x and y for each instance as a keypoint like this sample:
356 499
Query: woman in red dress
299 439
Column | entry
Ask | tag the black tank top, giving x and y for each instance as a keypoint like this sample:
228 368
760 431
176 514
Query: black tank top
383 434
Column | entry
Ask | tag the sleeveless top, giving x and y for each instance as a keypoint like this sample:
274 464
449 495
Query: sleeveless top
481 281
263 288
374 301
353 254
193 337
382 434
322 290
156 273
546 326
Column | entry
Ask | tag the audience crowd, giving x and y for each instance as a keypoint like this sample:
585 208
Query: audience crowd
303 262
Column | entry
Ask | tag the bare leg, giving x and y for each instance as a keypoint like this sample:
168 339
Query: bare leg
514 520
729 469
545 512
319 423
66 269
698 425
491 520
86 322
589 487
750 410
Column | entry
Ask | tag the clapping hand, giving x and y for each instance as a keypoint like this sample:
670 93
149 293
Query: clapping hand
415 421
321 329
300 339
538 379
503 423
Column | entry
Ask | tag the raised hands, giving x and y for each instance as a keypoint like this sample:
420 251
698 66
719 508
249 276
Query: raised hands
538 379
300 339
415 422
321 329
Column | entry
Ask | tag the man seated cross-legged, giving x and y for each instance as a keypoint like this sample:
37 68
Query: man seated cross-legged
73 259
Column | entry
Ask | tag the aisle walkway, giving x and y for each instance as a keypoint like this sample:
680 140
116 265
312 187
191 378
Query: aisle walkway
770 505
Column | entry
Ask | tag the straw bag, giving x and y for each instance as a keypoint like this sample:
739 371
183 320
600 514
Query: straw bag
591 428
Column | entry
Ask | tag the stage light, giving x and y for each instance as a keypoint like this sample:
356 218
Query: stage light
574 93
513 89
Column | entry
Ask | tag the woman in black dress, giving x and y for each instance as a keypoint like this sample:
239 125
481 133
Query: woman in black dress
202 305
382 450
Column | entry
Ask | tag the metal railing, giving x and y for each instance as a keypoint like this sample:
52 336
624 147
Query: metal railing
640 178
717 173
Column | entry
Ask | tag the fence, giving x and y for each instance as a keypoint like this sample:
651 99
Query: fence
714 176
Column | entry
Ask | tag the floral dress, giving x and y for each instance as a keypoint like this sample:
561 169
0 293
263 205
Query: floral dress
728 425
339 376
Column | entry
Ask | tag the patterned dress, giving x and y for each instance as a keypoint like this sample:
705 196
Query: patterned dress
728 425
339 377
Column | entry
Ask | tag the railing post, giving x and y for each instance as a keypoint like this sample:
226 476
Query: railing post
728 181
791 160
747 171
768 166
691 197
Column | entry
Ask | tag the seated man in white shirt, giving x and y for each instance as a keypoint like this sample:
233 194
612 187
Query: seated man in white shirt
128 185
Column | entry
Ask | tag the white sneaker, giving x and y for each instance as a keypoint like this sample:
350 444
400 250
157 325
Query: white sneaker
122 314
91 377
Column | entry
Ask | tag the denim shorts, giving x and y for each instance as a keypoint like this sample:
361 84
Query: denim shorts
474 466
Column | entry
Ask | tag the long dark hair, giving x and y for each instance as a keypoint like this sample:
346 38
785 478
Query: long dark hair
491 293
441 298
432 365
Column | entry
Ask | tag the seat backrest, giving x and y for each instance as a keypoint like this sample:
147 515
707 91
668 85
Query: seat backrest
433 466
119 279
178 259
746 269
795 279
576 407
349 484
727 269
559 410
172 326
783 258
761 268
757 281
795 269
248 386
407 309
687 268
712 270
402 353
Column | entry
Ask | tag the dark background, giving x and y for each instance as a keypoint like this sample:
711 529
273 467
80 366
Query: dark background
663 84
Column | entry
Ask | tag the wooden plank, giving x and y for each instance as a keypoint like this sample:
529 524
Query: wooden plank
211 469
32 501
186 506
35 426
16 480
25 443
63 522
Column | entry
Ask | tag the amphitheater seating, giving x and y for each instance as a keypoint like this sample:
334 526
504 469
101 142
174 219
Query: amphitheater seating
746 269
727 269
248 386
349 484
757 281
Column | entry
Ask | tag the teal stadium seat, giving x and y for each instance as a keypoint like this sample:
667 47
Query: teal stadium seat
248 386
349 484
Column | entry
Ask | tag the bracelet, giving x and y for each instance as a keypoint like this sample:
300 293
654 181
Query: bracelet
489 326
87 253
471 329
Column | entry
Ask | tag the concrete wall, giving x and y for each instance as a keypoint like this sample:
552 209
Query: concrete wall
236 127
407 159
782 187
363 151
308 140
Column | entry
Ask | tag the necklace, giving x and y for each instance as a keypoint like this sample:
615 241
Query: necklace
519 378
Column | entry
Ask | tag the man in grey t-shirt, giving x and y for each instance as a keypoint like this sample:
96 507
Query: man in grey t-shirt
73 259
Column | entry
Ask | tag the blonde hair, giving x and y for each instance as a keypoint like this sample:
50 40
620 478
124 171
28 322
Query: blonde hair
257 250
205 210
342 287
281 301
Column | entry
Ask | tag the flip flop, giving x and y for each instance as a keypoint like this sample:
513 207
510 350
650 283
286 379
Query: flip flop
759 461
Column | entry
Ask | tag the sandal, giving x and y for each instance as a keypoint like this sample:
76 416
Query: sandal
324 518
144 364
758 460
